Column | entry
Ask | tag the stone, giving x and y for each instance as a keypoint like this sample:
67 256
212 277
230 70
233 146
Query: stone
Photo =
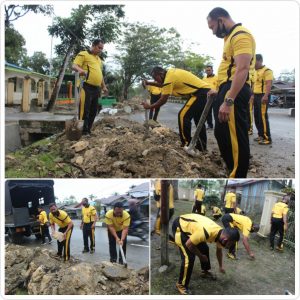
79 146
79 160
163 269
119 164
116 272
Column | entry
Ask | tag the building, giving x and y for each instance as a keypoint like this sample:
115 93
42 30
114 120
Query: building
23 85
286 92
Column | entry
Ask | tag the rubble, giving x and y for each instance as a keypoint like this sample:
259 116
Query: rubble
40 273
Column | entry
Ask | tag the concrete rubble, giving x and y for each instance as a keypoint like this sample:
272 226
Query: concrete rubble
40 273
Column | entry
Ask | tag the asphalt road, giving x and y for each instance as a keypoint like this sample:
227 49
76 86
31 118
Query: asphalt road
137 250
276 160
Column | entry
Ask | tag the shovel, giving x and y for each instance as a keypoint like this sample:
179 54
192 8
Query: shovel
190 149
123 256
72 127
146 135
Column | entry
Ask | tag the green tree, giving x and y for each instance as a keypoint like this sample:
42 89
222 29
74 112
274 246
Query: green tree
14 12
38 62
86 22
92 197
141 48
15 52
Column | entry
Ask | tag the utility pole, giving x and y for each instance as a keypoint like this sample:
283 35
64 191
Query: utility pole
164 215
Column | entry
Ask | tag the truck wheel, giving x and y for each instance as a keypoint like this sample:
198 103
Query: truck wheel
15 237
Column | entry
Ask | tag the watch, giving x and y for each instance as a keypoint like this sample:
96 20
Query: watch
229 101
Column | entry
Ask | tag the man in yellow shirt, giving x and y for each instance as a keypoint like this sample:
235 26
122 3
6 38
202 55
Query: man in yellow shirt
192 232
279 222
178 82
89 65
117 221
155 93
198 197
230 202
44 229
245 225
231 113
262 90
88 223
216 212
212 80
65 224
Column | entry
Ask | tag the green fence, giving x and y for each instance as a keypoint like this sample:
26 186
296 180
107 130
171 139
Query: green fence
107 101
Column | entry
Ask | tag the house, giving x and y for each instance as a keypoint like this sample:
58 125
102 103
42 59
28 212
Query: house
251 193
286 92
22 85
138 195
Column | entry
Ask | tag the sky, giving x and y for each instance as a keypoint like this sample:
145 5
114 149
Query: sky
63 188
274 24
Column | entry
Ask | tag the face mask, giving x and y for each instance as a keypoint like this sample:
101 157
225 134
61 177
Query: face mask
56 213
221 31
86 205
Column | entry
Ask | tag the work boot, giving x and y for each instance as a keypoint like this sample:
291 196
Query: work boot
208 275
250 132
231 256
85 250
183 290
257 139
279 248
264 142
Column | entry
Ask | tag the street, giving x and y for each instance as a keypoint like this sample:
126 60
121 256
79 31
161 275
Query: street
271 161
137 250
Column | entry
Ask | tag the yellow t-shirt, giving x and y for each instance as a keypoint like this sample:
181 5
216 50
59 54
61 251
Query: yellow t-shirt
212 81
243 223
239 41
154 90
89 214
157 186
62 220
180 82
92 64
199 228
216 210
43 218
230 199
199 194
279 209
119 223
262 75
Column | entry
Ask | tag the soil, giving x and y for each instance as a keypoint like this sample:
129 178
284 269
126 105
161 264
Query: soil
271 273
117 148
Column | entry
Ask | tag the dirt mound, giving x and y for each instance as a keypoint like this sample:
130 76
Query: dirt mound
40 273
118 148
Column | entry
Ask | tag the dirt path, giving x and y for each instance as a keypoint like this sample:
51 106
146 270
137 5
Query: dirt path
271 273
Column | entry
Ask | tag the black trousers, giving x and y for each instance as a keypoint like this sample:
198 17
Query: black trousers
88 233
261 117
64 246
197 207
277 225
45 233
112 247
88 105
209 118
232 136
187 257
192 110
153 99
228 210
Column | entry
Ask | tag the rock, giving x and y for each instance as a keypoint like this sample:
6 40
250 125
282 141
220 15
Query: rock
127 109
119 164
163 269
79 160
79 146
145 152
116 272
144 272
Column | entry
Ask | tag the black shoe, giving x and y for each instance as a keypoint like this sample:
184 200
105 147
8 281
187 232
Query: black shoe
85 250
50 242
92 251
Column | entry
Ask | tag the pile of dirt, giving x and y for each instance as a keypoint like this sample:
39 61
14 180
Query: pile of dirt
40 273
118 148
